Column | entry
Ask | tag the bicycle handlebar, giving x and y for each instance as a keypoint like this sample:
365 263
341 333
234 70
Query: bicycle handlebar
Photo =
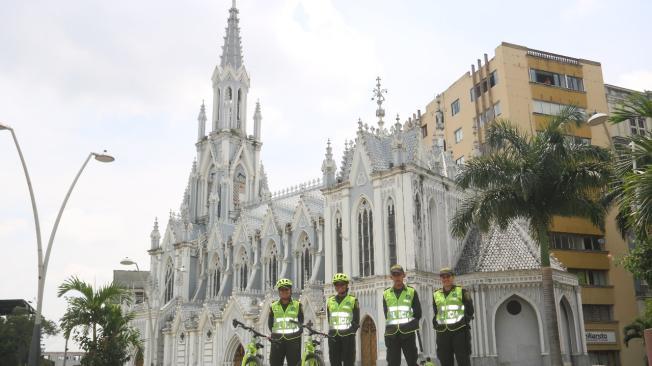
237 323
311 331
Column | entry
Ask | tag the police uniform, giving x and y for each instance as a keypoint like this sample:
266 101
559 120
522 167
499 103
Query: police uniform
402 314
453 311
343 321
286 335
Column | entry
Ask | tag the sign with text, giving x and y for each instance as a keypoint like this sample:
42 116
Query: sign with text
600 336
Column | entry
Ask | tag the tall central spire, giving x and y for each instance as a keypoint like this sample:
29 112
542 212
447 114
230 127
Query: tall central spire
232 49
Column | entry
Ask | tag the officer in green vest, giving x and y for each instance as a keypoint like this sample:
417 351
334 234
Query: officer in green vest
343 320
453 310
286 334
402 315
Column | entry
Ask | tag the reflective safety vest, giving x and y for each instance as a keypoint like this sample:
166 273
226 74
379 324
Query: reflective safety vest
341 315
283 328
399 315
450 309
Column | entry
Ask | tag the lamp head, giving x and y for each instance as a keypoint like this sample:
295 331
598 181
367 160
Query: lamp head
597 119
103 157
127 262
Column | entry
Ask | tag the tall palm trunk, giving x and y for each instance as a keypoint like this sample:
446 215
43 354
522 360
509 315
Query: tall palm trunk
549 303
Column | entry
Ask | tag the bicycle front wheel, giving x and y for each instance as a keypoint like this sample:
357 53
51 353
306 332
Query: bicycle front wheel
312 361
254 361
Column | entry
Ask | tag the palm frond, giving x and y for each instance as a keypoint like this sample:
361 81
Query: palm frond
635 105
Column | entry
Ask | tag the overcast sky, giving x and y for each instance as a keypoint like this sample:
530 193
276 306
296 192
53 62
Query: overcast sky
129 76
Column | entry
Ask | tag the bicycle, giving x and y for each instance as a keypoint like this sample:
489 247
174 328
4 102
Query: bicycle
311 355
252 355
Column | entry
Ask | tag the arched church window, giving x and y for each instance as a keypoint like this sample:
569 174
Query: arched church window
219 200
339 251
229 107
242 271
365 239
214 280
306 260
271 266
210 180
417 219
239 107
239 184
391 232
169 282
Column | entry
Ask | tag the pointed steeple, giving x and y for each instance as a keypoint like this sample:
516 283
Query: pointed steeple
155 235
201 120
232 49
258 117
328 167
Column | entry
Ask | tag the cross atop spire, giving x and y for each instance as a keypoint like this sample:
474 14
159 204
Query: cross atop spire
232 49
379 98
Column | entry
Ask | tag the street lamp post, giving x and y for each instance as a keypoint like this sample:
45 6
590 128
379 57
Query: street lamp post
35 346
128 262
601 119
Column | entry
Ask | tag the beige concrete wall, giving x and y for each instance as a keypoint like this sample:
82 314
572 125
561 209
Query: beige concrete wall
516 93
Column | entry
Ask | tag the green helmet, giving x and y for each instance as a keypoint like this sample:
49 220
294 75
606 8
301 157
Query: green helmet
340 277
284 282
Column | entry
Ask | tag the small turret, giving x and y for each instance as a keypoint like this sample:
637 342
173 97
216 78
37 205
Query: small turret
155 236
201 120
328 167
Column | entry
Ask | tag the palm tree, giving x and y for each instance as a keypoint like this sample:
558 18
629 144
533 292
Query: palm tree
89 310
535 177
632 186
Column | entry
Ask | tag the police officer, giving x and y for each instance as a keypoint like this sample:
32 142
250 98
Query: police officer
343 320
286 335
402 315
453 310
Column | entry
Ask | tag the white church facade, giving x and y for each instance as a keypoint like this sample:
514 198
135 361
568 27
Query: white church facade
388 201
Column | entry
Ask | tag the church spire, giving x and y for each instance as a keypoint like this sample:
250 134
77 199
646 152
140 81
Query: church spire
201 119
232 49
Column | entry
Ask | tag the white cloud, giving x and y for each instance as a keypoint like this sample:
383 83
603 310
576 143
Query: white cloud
637 80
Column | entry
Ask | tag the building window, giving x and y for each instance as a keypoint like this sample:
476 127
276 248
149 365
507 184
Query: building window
305 260
339 253
556 80
493 79
541 107
637 126
391 231
242 270
169 282
497 110
455 107
574 83
597 313
484 85
590 277
458 135
460 161
365 239
214 283
424 130
271 266
610 358
576 242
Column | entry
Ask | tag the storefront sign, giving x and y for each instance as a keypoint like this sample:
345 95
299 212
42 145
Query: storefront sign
600 337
